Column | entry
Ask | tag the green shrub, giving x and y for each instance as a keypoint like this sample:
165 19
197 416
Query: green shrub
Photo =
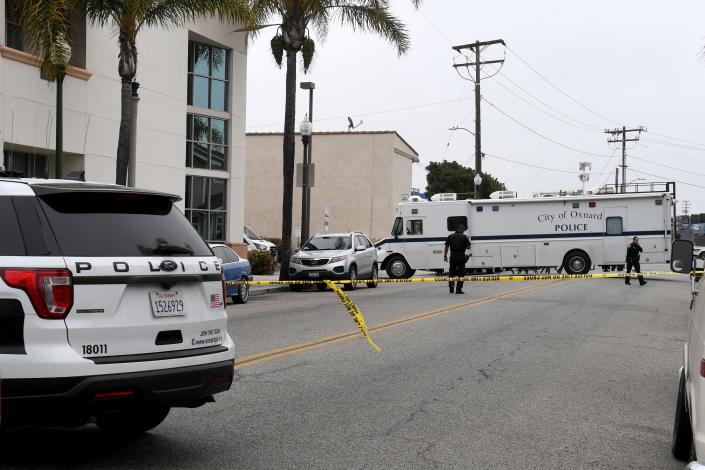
261 261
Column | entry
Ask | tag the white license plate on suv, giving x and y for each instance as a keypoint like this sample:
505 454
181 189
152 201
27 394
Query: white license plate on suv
314 274
169 303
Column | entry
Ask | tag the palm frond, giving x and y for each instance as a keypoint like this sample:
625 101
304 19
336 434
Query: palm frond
373 16
170 13
45 25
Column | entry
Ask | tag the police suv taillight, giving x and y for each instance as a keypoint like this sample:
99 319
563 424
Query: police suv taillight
49 290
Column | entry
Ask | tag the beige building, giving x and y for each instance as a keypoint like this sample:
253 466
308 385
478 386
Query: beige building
359 179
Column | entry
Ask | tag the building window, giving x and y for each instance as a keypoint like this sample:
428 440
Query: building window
77 35
31 165
208 76
206 142
206 206
13 31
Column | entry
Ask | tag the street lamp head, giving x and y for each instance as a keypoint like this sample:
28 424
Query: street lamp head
305 127
307 85
478 179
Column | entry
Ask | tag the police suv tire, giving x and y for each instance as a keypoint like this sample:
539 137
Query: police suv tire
352 276
398 268
373 279
576 262
132 421
321 286
243 293
682 442
296 287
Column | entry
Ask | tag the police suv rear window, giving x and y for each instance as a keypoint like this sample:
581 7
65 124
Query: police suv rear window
10 235
114 224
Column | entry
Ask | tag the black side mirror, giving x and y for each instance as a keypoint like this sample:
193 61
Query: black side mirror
682 256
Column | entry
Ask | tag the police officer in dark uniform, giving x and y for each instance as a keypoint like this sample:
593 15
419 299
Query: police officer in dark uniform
458 242
633 251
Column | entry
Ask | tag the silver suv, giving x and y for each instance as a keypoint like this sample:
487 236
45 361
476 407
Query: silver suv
346 256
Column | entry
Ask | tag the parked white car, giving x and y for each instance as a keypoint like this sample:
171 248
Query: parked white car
255 242
699 252
689 425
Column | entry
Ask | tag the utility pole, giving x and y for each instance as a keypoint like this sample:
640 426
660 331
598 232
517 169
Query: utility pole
686 209
477 47
620 135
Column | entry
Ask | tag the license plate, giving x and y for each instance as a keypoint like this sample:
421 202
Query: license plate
314 274
168 303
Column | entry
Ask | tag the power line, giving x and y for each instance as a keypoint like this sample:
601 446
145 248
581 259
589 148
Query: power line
543 136
670 144
661 177
372 113
578 126
548 105
560 90
690 172
676 138
533 166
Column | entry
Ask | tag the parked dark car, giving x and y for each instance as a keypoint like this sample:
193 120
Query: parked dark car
234 269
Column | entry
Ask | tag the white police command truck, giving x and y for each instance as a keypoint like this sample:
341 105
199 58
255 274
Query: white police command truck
111 307
571 233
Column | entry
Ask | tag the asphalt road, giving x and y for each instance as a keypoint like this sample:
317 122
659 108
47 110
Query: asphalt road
516 375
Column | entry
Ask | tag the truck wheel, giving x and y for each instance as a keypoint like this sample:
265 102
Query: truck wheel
576 262
398 268
682 442
353 279
132 421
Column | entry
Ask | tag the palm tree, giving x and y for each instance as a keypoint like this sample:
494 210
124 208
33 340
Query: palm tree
45 29
292 19
128 17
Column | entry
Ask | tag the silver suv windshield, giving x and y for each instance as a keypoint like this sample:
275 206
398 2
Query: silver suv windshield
328 242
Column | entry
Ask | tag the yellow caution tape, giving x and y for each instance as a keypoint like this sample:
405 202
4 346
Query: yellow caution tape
489 278
354 312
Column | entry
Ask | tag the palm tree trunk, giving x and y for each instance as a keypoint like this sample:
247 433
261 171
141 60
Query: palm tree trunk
288 162
123 149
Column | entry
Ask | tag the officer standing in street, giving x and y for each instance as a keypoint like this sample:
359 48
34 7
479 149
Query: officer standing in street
458 242
633 253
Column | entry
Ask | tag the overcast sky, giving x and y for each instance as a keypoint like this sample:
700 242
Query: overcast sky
628 62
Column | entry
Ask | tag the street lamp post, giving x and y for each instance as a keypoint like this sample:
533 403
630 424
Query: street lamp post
306 131
478 182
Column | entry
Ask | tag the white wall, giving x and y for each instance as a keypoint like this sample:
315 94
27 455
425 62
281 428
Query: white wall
92 109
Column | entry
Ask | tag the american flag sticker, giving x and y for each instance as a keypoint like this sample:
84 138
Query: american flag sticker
215 301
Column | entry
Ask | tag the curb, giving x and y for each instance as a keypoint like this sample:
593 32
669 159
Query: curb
267 290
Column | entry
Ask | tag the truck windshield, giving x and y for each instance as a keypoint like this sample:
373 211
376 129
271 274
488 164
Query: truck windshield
251 235
328 242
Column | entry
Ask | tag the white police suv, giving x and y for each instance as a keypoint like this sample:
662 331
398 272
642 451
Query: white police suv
111 307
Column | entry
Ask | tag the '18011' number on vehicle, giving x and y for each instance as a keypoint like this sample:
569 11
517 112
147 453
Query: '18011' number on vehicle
89 349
